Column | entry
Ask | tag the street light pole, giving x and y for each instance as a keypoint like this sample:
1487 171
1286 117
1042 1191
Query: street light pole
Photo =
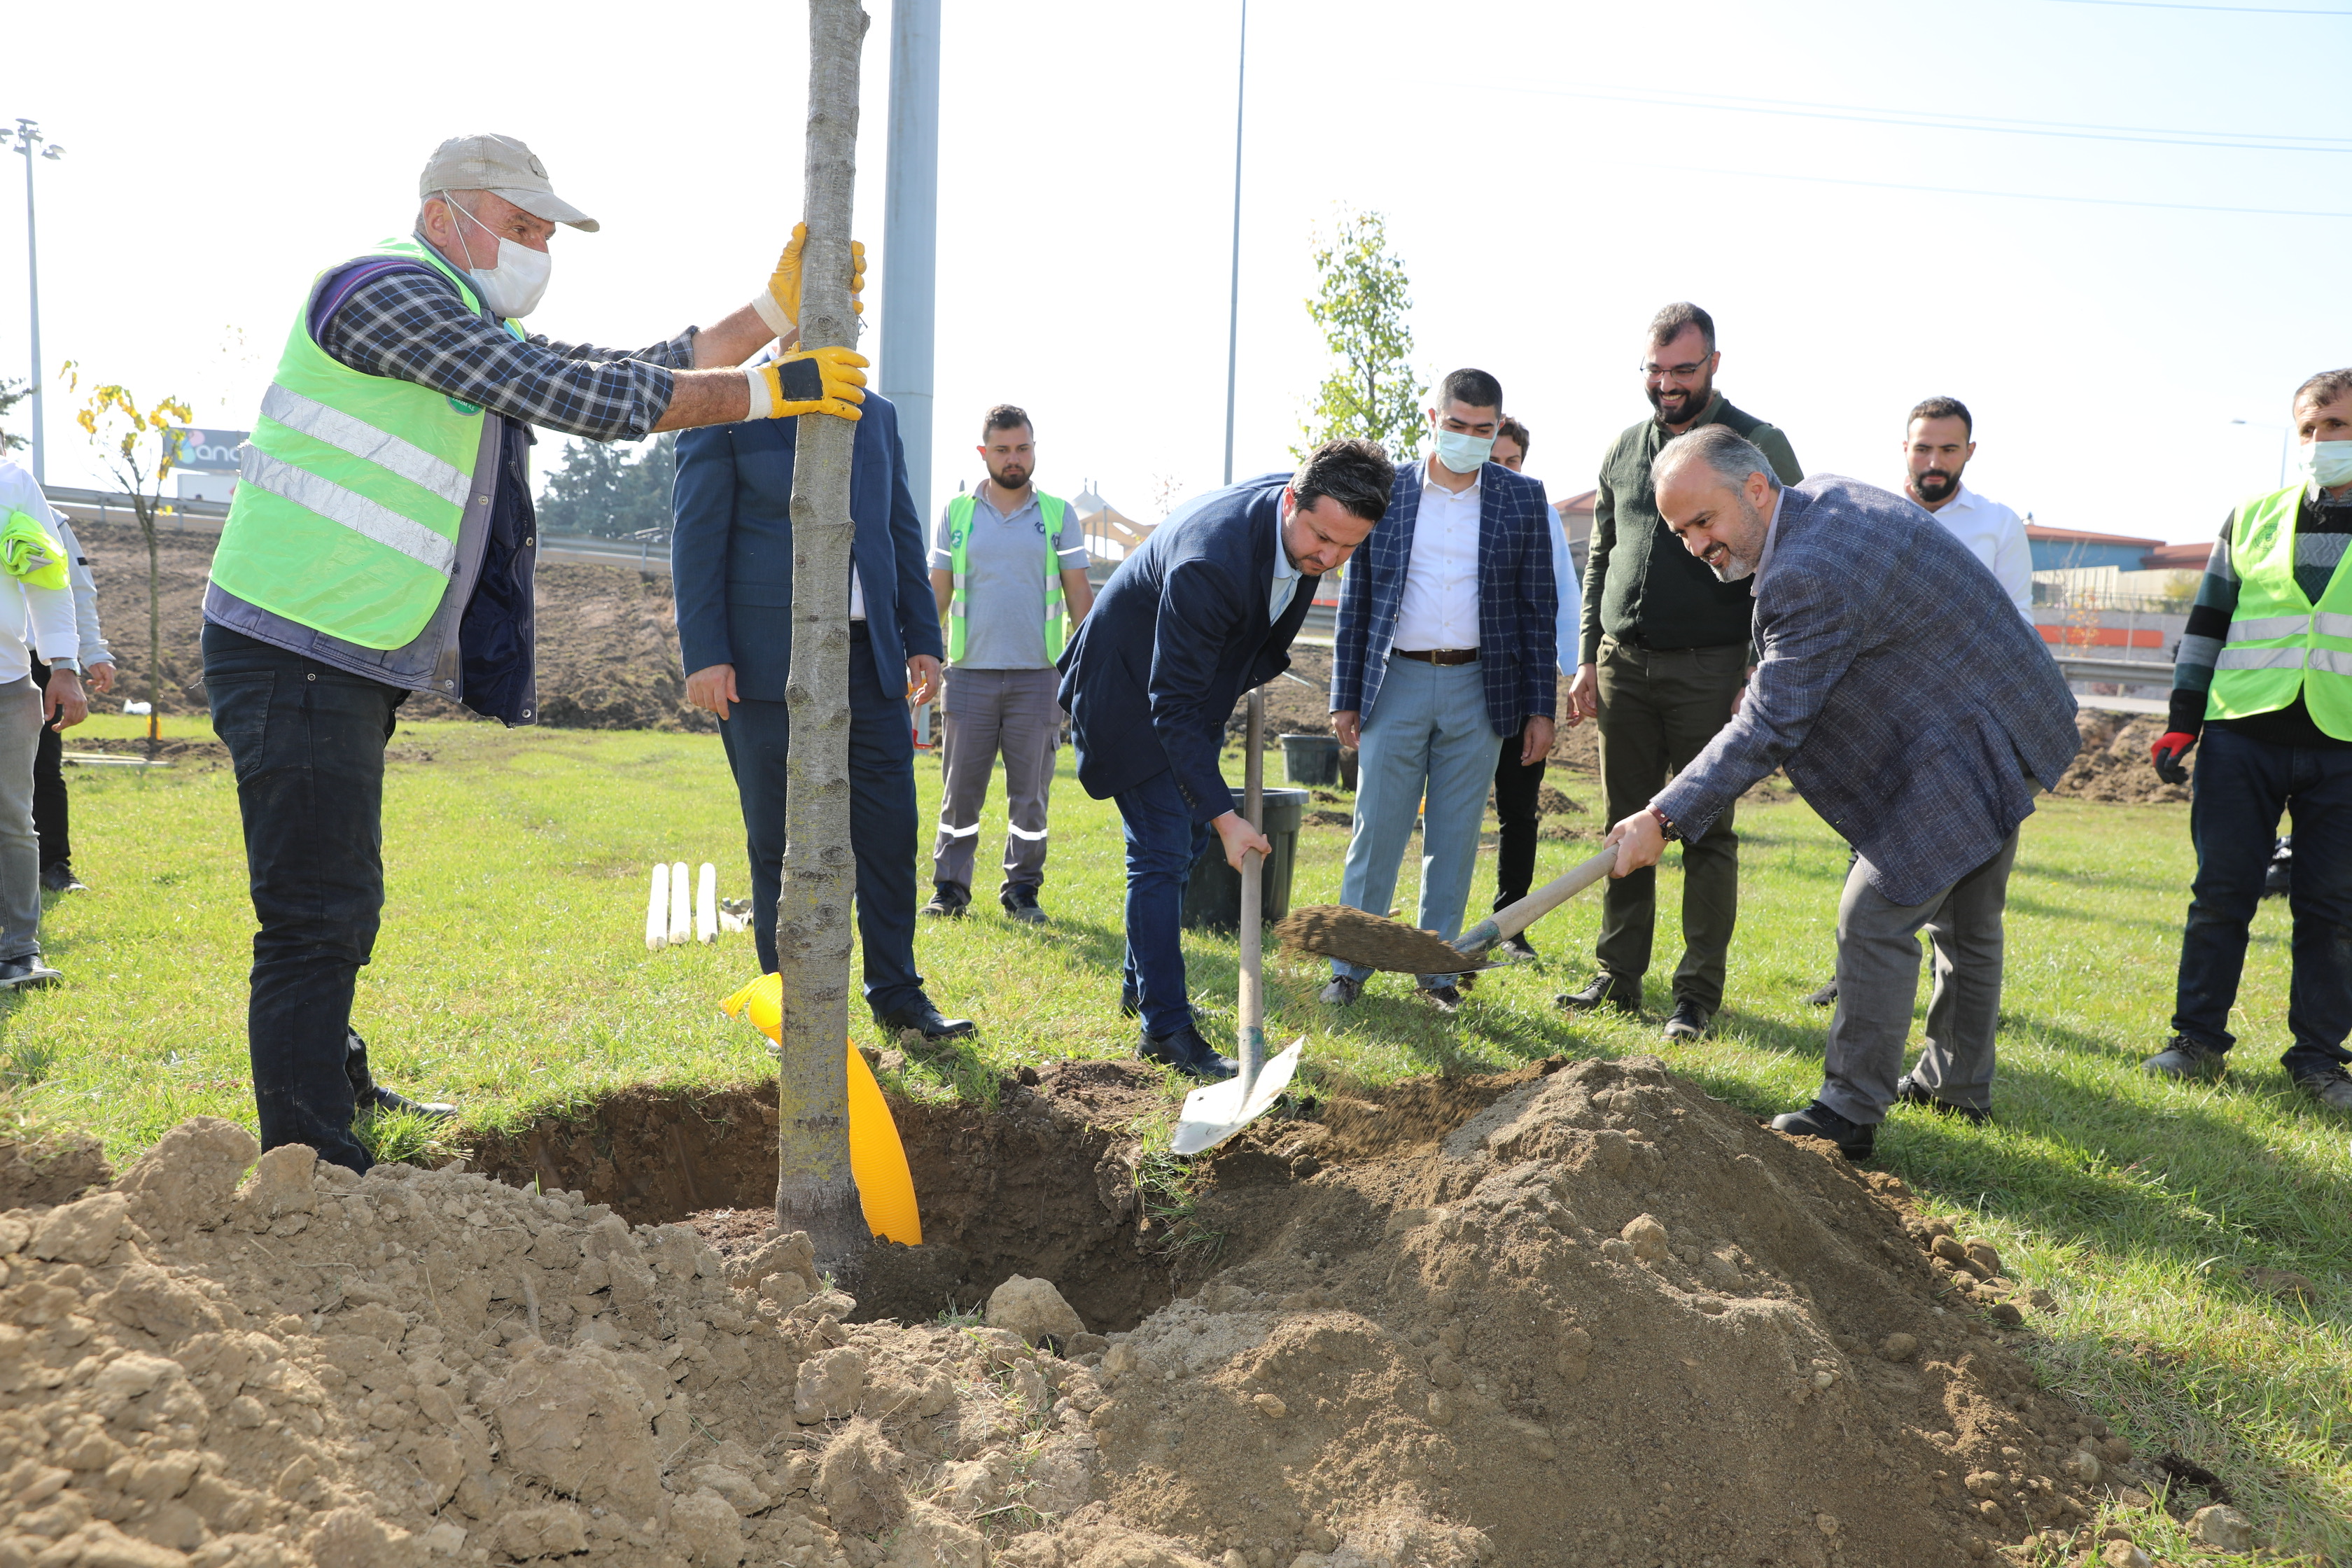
28 135
1233 305
910 234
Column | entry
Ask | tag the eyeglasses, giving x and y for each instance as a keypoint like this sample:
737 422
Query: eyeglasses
1672 371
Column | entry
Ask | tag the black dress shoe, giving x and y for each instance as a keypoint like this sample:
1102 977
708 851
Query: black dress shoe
1826 997
1854 1139
60 879
1606 991
1187 1052
381 1099
1690 1021
924 1020
1518 946
1445 998
948 900
27 972
1911 1094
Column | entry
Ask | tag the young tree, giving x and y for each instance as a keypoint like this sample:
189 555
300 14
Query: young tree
814 1189
605 492
12 391
123 434
1360 305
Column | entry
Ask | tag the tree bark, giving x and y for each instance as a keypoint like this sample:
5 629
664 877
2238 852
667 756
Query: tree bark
814 1189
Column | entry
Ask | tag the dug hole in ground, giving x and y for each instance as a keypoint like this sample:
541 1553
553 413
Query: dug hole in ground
1581 1314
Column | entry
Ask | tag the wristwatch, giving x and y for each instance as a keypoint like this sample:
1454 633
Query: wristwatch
1666 827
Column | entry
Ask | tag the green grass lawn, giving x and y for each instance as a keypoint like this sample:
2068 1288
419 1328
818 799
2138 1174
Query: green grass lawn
512 976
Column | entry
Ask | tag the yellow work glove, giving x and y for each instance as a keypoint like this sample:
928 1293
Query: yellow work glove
779 306
808 381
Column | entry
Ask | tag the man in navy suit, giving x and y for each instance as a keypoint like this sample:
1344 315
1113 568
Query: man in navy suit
731 569
1445 646
1202 613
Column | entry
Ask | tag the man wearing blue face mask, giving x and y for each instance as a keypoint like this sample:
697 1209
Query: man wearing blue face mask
381 542
2263 685
1444 646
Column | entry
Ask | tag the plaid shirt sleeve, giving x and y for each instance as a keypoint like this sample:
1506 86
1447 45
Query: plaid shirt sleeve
410 325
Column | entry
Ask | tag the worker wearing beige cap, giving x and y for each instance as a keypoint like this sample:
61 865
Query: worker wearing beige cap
381 542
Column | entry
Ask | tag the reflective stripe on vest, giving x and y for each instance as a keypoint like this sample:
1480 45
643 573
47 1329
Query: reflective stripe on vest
1057 624
354 490
2281 647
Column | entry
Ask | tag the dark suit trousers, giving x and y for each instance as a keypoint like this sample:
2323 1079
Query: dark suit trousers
52 820
1658 709
881 822
1518 791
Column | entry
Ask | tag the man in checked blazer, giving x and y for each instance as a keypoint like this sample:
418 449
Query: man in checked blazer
1913 709
1445 646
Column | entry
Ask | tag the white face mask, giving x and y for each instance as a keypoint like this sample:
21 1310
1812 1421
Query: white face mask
514 287
1463 453
2326 464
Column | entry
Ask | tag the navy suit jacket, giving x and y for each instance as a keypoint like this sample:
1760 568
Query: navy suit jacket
1519 599
1911 704
730 553
1177 635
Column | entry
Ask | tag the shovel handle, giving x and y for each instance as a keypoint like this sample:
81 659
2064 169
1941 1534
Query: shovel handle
1513 919
1253 931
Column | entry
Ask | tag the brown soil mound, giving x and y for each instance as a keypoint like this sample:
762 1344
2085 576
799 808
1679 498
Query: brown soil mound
1334 931
2113 764
1581 1316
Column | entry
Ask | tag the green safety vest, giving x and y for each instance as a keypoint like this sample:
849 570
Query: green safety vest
1057 618
2281 644
351 491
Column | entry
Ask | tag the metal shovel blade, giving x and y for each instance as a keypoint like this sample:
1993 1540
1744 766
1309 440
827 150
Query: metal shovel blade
1218 1111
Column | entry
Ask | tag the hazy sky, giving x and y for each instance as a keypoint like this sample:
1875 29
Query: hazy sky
1551 173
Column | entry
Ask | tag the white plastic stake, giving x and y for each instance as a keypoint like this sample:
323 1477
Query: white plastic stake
657 910
681 905
706 904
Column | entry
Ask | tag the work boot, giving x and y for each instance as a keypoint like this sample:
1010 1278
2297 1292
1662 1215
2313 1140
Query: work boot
1910 1092
1021 904
1445 998
1187 1052
28 972
369 1096
1854 1139
2330 1087
1342 991
2185 1060
1689 1021
924 1020
1826 997
948 900
60 879
1606 991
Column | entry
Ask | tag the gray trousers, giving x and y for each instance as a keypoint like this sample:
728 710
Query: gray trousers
1878 980
1015 712
20 846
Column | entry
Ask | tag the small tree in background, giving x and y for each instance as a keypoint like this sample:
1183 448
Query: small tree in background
1360 306
136 445
605 490
12 391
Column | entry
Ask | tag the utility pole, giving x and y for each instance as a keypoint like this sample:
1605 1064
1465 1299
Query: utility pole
1233 305
28 136
910 234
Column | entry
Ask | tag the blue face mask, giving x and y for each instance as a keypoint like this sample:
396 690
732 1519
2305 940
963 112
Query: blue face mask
2326 464
1463 453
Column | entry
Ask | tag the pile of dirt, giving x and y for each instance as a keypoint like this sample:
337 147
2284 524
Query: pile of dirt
2113 764
1575 1315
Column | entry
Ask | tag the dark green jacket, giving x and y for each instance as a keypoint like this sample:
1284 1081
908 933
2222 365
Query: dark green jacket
1639 578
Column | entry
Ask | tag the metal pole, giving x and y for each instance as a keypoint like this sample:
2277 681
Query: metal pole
1233 306
910 231
26 134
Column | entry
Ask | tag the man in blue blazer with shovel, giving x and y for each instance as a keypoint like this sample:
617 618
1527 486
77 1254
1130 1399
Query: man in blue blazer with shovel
731 570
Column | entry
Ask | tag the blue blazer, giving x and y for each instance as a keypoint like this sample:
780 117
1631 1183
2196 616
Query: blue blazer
1178 633
730 553
1519 599
1911 704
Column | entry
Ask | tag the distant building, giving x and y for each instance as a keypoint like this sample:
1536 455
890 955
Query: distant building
1576 518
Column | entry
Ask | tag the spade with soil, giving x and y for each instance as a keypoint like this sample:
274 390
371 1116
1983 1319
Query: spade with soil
1375 942
1216 1112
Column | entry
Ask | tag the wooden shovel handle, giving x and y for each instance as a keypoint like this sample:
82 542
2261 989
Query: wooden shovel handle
1513 919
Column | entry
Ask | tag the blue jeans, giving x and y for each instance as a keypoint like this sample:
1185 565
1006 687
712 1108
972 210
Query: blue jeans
307 744
882 830
1427 749
2243 786
1162 842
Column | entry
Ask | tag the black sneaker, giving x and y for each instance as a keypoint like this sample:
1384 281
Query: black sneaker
1911 1094
1606 991
1445 998
1826 997
1188 1053
948 900
1342 991
60 879
1517 947
1854 1139
2185 1060
2331 1087
1021 904
27 972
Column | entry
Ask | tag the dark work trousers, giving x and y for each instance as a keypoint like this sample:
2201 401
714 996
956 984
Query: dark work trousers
1162 842
307 742
2241 787
50 820
881 822
1517 790
1659 708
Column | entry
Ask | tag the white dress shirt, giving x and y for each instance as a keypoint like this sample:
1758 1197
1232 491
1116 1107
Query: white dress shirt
1441 583
1285 576
1996 536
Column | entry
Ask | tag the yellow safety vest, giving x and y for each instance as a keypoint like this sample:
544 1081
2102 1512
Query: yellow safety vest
2280 644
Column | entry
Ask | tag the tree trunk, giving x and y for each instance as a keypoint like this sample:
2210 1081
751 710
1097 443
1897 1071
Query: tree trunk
814 1189
154 636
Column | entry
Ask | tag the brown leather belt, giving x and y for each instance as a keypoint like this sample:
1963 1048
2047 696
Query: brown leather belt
1440 654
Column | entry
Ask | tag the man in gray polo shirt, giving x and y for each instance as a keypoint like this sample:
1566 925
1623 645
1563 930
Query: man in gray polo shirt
1008 569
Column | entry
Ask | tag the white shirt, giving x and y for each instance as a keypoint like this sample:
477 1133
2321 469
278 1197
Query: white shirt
42 616
1441 583
1286 575
1996 536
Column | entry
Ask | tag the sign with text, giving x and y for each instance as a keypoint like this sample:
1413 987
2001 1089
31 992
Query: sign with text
206 451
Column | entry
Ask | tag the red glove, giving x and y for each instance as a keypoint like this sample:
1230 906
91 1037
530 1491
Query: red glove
2167 753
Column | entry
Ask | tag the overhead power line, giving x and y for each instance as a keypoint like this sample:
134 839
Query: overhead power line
2183 5
2004 195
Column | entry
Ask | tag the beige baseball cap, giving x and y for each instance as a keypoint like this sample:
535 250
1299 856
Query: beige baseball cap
505 167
